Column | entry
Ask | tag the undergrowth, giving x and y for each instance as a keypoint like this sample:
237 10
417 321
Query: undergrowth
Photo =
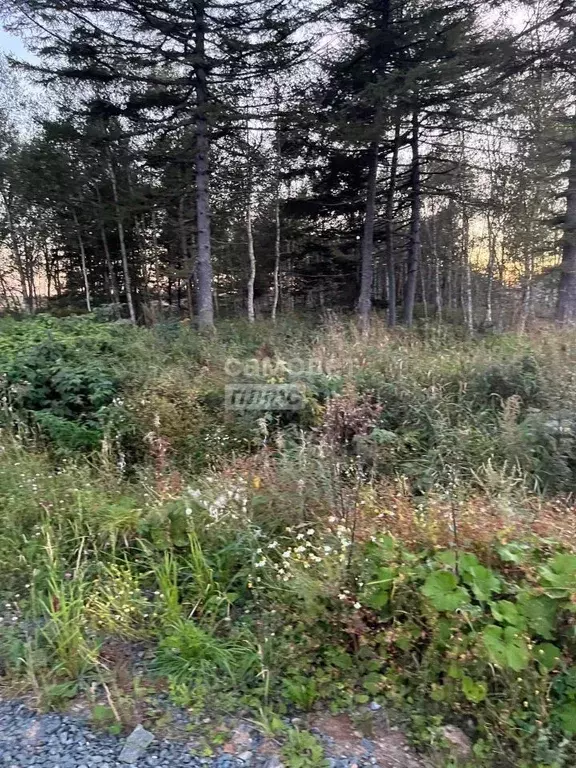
407 536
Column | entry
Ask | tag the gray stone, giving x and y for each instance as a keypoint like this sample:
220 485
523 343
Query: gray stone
274 762
135 745
459 742
51 725
246 757
374 706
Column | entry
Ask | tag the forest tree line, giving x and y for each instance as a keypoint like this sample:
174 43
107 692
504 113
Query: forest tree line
255 157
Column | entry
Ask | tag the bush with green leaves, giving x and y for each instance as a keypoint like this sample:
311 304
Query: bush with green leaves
60 379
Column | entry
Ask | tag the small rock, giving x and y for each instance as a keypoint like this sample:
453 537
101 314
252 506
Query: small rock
51 725
374 706
274 762
136 744
460 743
246 757
241 738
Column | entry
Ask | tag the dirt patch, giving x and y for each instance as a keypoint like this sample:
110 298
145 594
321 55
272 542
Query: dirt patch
362 741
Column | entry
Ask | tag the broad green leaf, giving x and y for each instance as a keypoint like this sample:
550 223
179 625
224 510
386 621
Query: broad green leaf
482 581
378 591
540 612
514 552
506 647
444 630
447 557
467 561
474 691
506 612
441 588
547 655
559 576
567 715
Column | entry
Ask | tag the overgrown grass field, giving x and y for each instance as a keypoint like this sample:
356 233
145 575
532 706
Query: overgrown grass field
407 536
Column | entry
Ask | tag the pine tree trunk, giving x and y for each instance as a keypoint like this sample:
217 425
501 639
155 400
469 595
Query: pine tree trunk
423 289
82 261
277 235
48 271
184 254
389 224
204 257
251 259
157 275
437 288
488 317
466 284
29 272
566 305
526 306
433 238
367 248
114 292
415 221
122 241
26 299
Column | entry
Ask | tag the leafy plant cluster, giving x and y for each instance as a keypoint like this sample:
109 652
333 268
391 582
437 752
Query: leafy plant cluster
62 378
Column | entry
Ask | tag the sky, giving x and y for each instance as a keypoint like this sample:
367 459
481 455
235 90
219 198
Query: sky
10 44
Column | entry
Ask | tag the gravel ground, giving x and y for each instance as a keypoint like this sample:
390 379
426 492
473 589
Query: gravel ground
57 741
32 740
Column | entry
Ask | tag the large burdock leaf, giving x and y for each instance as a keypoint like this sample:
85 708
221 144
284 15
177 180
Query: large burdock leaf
506 612
441 588
567 716
559 576
506 647
482 581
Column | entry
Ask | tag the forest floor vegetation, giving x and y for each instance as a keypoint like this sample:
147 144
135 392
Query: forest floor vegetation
404 541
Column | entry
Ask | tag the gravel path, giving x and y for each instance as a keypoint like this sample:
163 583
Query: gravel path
57 741
32 740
